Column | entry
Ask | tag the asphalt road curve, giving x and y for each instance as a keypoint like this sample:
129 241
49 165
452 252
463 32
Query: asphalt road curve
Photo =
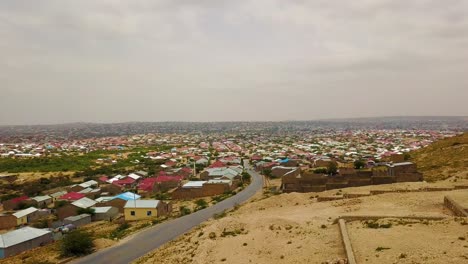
150 239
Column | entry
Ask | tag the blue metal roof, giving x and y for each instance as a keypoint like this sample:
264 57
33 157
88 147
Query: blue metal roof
128 196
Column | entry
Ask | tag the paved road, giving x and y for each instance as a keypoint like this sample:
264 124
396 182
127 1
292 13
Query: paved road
150 239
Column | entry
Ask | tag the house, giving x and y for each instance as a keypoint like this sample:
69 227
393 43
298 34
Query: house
105 213
279 171
56 195
43 201
84 203
26 216
404 172
147 185
197 189
128 196
125 182
134 176
228 173
217 164
89 184
202 161
111 189
303 181
141 209
77 220
71 196
73 208
7 221
142 173
14 203
114 202
91 193
23 239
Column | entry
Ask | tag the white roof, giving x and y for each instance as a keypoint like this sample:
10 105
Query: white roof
86 190
41 198
84 202
88 184
25 212
104 198
77 217
101 210
115 178
58 194
134 176
219 181
194 184
20 235
142 204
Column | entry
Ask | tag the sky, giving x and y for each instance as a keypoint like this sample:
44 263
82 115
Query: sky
245 60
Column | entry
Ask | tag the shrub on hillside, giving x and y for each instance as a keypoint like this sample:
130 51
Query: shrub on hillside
76 243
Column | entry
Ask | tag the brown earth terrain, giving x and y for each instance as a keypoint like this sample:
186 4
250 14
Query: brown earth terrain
295 228
447 158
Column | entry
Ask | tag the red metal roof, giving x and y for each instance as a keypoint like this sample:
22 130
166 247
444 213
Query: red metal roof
72 196
125 181
168 178
217 164
19 199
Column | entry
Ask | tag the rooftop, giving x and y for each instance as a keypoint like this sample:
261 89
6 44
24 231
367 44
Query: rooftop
142 204
21 235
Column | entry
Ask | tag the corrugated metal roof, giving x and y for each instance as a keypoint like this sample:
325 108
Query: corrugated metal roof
77 217
142 204
58 194
84 202
128 196
25 212
41 198
21 235
102 210
105 198
193 184
88 183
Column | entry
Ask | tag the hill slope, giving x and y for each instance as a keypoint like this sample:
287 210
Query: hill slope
443 159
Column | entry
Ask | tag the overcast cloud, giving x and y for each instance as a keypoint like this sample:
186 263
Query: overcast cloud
113 61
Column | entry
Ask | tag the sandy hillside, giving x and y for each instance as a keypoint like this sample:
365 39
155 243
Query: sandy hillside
295 228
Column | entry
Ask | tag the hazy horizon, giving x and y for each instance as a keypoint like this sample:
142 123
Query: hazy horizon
256 60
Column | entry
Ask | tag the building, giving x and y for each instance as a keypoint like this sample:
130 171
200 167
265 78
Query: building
105 213
404 172
307 181
141 209
72 209
228 173
43 201
23 239
280 171
26 216
7 221
14 203
198 189
71 196
57 195
77 220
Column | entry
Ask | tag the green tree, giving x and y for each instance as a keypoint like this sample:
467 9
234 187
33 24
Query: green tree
332 168
76 243
267 172
321 171
246 176
184 210
89 211
201 204
359 164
